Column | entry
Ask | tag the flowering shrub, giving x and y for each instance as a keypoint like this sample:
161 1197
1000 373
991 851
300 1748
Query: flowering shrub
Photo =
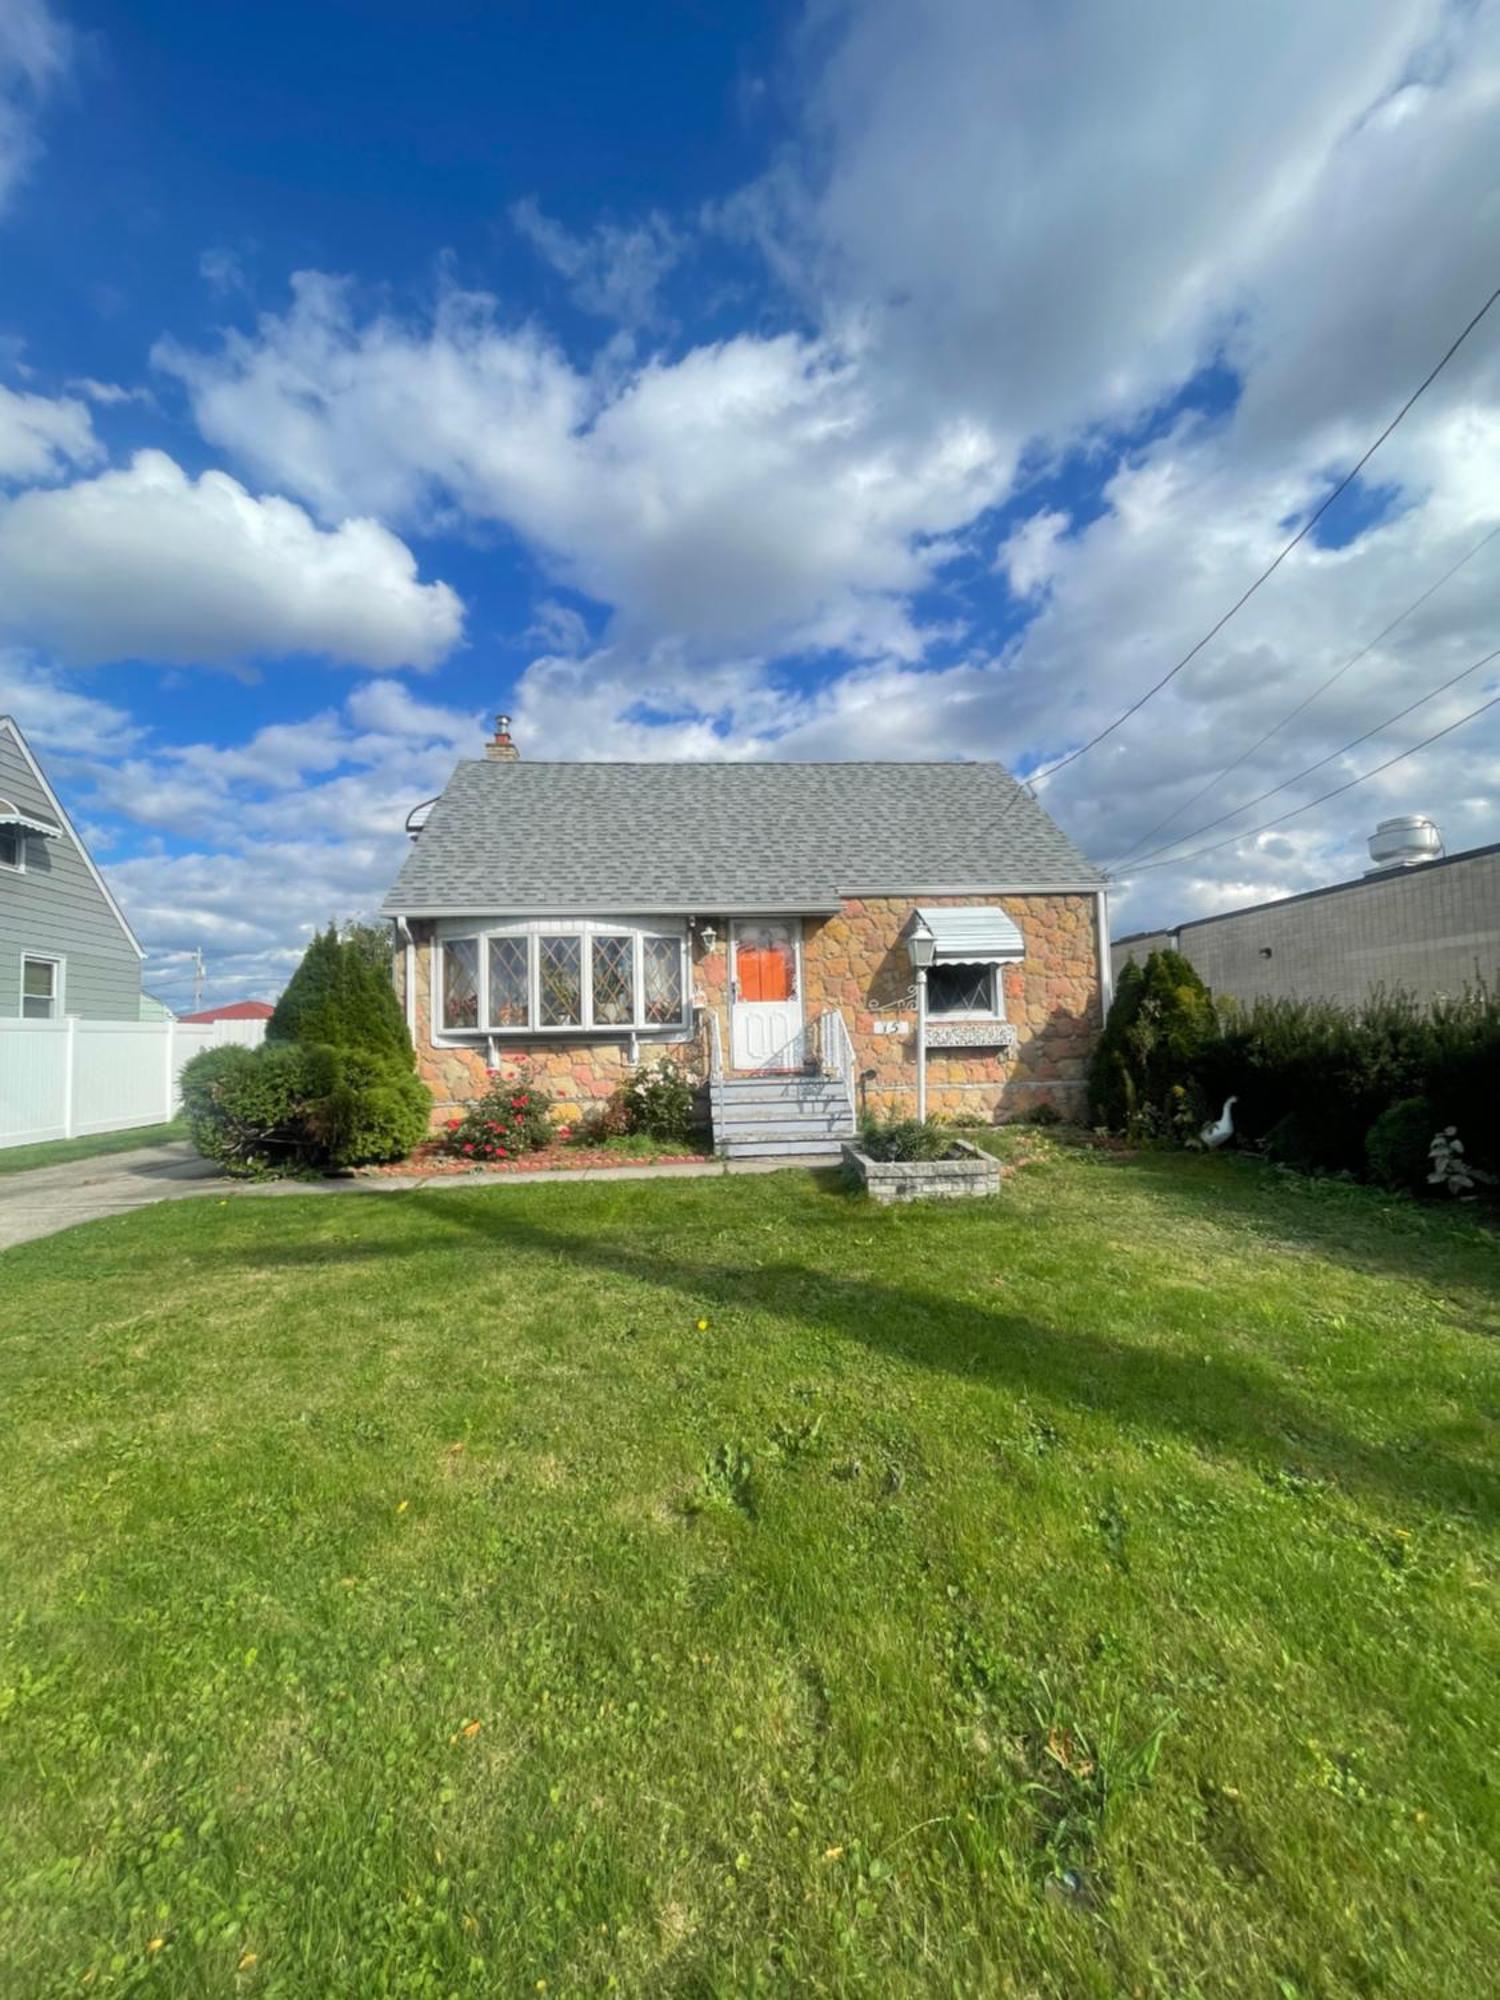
659 1101
511 1118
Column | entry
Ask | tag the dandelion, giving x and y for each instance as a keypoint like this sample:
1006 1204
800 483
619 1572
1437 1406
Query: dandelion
248 1959
703 1326
402 1505
155 1944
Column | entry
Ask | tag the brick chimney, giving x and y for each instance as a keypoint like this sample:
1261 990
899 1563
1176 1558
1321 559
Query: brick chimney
500 749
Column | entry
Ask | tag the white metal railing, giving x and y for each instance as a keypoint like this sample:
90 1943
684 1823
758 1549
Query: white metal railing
714 1037
832 1047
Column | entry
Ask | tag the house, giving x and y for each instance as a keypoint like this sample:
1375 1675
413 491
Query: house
752 920
65 947
233 1010
1419 922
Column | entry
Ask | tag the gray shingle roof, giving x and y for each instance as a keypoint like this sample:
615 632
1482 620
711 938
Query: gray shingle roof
563 839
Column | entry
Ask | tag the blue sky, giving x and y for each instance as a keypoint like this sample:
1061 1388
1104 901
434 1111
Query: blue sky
790 381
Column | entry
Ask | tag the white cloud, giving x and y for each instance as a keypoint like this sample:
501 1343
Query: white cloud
34 52
744 496
42 436
615 271
1011 234
146 563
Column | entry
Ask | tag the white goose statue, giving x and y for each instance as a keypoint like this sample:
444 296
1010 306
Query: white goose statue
1216 1131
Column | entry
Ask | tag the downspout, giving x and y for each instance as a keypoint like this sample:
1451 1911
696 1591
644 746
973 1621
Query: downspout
1106 963
409 973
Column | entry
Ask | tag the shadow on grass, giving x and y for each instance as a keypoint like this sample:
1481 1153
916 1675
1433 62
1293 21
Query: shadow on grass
1216 1403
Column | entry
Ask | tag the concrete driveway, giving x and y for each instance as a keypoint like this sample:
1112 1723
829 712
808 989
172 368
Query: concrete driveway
46 1199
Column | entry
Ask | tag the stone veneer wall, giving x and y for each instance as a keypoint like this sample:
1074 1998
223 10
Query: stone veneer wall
856 962
853 961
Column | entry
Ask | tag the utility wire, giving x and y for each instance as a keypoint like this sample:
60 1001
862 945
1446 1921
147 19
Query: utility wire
1400 758
1277 727
1332 757
1306 529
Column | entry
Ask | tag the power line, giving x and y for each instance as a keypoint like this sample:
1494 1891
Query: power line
1400 758
1277 727
1306 529
1333 755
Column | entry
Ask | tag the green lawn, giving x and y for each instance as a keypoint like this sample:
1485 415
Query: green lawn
58 1152
1086 1594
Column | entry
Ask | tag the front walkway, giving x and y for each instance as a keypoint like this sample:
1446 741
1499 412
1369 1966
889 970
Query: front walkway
48 1199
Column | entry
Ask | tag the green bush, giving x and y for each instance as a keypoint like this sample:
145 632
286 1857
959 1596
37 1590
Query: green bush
1312 1078
247 1108
287 1106
905 1139
339 997
512 1117
661 1101
1142 1079
368 1108
1398 1145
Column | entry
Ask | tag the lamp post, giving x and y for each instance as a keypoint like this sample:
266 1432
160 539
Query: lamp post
921 948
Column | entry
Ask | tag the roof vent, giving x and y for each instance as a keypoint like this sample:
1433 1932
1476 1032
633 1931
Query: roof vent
1403 842
500 749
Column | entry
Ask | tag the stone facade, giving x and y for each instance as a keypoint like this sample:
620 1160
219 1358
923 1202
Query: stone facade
854 962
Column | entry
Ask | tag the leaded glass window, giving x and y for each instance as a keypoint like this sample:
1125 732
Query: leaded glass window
510 983
560 981
614 1000
461 983
661 972
961 989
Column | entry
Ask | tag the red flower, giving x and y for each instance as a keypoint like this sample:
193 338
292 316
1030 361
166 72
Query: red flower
468 1149
454 1123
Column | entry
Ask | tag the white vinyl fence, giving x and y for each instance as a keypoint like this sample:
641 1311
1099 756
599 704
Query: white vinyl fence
64 1079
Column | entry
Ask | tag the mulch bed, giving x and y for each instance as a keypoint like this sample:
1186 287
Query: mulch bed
430 1161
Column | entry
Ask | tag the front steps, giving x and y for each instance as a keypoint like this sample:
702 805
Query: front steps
766 1117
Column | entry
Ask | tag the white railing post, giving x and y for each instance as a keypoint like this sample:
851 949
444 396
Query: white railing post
171 1073
70 1058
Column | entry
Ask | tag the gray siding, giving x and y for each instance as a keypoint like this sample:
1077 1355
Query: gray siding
1427 930
55 907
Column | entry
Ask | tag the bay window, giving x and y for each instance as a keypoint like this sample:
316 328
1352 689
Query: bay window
546 977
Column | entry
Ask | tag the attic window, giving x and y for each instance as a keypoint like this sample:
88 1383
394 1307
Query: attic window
12 847
577 975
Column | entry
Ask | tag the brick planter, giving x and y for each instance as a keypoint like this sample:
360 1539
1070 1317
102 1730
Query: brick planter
967 1172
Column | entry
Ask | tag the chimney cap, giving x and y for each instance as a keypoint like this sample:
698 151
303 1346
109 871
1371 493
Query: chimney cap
500 749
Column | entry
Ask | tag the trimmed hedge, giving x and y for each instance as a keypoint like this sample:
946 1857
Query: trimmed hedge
1313 1079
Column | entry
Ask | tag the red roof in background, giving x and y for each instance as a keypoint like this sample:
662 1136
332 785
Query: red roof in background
237 1010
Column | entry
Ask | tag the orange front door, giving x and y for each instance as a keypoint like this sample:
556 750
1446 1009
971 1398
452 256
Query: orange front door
766 1019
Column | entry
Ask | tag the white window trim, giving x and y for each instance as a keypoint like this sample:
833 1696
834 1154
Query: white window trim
18 866
59 984
996 969
455 930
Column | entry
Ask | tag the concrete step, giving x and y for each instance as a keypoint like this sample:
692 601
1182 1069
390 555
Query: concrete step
779 1090
784 1128
832 1115
782 1148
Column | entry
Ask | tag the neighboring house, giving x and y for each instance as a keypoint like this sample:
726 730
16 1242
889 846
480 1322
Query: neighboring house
233 1010
1421 926
749 919
153 1009
65 947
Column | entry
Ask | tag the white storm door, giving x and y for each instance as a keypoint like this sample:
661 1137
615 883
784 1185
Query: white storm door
765 1016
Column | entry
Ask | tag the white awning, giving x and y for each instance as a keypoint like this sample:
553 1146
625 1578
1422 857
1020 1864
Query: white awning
977 935
12 815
